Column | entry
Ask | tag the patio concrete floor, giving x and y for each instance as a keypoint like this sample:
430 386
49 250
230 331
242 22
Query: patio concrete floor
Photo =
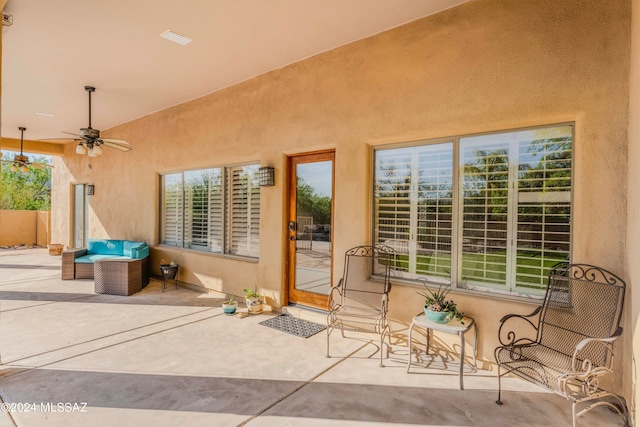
174 359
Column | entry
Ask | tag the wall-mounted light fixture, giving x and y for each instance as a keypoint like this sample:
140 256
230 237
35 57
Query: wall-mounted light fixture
89 190
266 176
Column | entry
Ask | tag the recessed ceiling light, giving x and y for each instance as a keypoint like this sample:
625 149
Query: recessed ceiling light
45 114
176 37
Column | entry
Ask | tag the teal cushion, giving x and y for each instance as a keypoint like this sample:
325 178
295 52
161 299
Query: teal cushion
90 259
140 253
105 247
135 250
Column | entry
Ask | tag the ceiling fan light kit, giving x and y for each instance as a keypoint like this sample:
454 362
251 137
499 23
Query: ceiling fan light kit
89 138
20 161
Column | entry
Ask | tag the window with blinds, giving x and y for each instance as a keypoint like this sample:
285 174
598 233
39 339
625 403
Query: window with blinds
413 207
172 213
244 211
484 206
215 219
488 212
214 210
196 209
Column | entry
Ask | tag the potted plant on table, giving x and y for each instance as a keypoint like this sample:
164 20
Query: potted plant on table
437 307
254 301
230 305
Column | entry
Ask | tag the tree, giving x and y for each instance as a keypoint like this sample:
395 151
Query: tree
310 203
25 190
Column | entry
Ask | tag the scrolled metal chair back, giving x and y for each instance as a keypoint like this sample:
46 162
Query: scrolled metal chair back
582 301
366 275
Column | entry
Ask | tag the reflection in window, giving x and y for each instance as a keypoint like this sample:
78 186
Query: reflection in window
500 225
214 210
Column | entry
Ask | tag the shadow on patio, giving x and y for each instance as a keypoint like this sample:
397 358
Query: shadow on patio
173 358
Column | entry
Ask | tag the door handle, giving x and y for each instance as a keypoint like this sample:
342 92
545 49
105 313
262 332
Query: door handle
292 238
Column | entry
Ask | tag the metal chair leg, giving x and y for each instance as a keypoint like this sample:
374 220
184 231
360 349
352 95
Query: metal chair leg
499 402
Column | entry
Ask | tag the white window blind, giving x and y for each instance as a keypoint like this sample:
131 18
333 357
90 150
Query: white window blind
414 206
435 204
488 212
214 210
244 211
196 191
172 212
485 178
544 204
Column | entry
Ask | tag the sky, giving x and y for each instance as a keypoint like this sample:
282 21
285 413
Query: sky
318 175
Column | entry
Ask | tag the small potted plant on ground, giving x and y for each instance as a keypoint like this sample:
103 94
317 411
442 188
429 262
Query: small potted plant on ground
437 308
254 301
230 305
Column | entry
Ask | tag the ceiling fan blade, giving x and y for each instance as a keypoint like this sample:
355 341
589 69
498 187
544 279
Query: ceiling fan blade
40 165
59 139
116 146
116 141
74 134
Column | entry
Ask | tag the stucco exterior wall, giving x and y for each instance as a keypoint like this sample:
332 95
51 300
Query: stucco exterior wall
632 254
483 66
24 228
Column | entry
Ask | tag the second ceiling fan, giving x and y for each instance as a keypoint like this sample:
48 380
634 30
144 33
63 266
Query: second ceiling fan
90 140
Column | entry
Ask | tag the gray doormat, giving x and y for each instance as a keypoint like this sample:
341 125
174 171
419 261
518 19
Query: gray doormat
293 325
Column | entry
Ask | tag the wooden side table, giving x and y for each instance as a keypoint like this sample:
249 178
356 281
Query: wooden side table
455 326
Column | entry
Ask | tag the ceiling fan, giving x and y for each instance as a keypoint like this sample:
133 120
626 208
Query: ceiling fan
20 161
89 138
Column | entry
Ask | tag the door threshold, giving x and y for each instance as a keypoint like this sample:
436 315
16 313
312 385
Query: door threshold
304 312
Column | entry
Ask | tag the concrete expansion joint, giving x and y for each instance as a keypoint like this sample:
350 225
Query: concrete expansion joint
113 344
2 401
304 384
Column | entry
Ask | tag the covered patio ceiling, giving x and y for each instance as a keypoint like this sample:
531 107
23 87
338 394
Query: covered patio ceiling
54 49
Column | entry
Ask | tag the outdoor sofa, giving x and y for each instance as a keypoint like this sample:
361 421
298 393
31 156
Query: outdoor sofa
119 267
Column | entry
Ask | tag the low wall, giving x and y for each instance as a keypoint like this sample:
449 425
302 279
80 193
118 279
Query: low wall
25 227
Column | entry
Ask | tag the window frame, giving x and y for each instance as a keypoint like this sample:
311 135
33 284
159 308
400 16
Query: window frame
224 212
509 290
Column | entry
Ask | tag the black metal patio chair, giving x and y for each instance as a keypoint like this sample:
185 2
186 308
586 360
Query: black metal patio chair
570 344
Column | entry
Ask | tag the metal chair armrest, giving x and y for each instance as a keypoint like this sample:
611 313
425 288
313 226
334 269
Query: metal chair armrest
585 366
586 341
509 316
511 338
331 302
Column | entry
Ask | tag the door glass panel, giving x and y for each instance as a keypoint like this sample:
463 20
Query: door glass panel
314 189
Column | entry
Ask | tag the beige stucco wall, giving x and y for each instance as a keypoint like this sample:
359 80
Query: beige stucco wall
24 228
632 254
485 65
